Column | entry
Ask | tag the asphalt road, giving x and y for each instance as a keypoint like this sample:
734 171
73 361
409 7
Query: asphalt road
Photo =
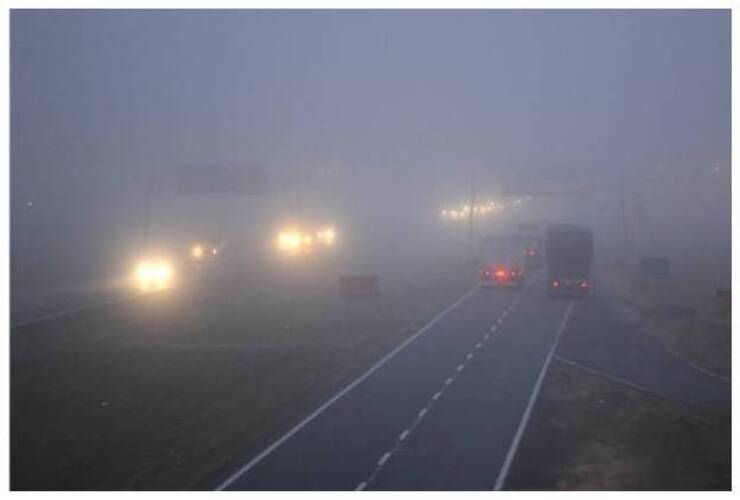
605 336
446 409
441 412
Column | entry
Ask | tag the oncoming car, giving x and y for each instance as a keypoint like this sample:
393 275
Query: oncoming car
203 252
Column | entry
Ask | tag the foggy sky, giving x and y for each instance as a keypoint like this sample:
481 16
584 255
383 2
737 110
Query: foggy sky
409 102
105 92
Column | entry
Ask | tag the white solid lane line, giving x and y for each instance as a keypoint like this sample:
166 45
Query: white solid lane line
404 435
69 312
501 479
264 453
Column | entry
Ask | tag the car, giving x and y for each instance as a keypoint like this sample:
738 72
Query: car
501 276
502 263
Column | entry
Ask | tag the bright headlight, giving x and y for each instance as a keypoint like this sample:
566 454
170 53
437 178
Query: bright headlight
289 241
197 252
326 235
153 275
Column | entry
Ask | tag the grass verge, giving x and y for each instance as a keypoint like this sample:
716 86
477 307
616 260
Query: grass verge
589 433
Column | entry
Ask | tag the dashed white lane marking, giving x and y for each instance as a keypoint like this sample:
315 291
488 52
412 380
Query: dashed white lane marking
501 479
500 320
249 465
384 458
402 437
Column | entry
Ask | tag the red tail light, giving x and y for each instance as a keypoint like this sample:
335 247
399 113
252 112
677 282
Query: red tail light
556 284
584 285
500 273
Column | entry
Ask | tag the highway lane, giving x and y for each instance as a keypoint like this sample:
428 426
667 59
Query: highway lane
442 413
602 339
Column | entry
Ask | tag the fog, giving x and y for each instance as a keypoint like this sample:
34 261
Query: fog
372 120
370 250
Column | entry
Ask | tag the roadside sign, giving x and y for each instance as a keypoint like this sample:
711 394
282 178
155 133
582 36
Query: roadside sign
724 301
655 267
358 286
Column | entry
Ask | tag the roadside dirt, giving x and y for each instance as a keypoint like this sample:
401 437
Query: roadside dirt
588 433
682 313
172 392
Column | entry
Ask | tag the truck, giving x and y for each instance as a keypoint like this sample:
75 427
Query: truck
569 252
502 262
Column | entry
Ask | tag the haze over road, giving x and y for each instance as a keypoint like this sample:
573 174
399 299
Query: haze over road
444 411
241 241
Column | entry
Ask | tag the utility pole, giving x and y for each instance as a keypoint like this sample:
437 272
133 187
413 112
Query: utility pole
471 244
625 243
148 212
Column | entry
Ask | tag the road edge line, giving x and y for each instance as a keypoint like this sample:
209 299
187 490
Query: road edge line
70 312
504 472
264 453
629 384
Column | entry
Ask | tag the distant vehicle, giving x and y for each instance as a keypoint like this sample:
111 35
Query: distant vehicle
296 241
532 248
529 239
569 254
203 252
533 258
502 262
